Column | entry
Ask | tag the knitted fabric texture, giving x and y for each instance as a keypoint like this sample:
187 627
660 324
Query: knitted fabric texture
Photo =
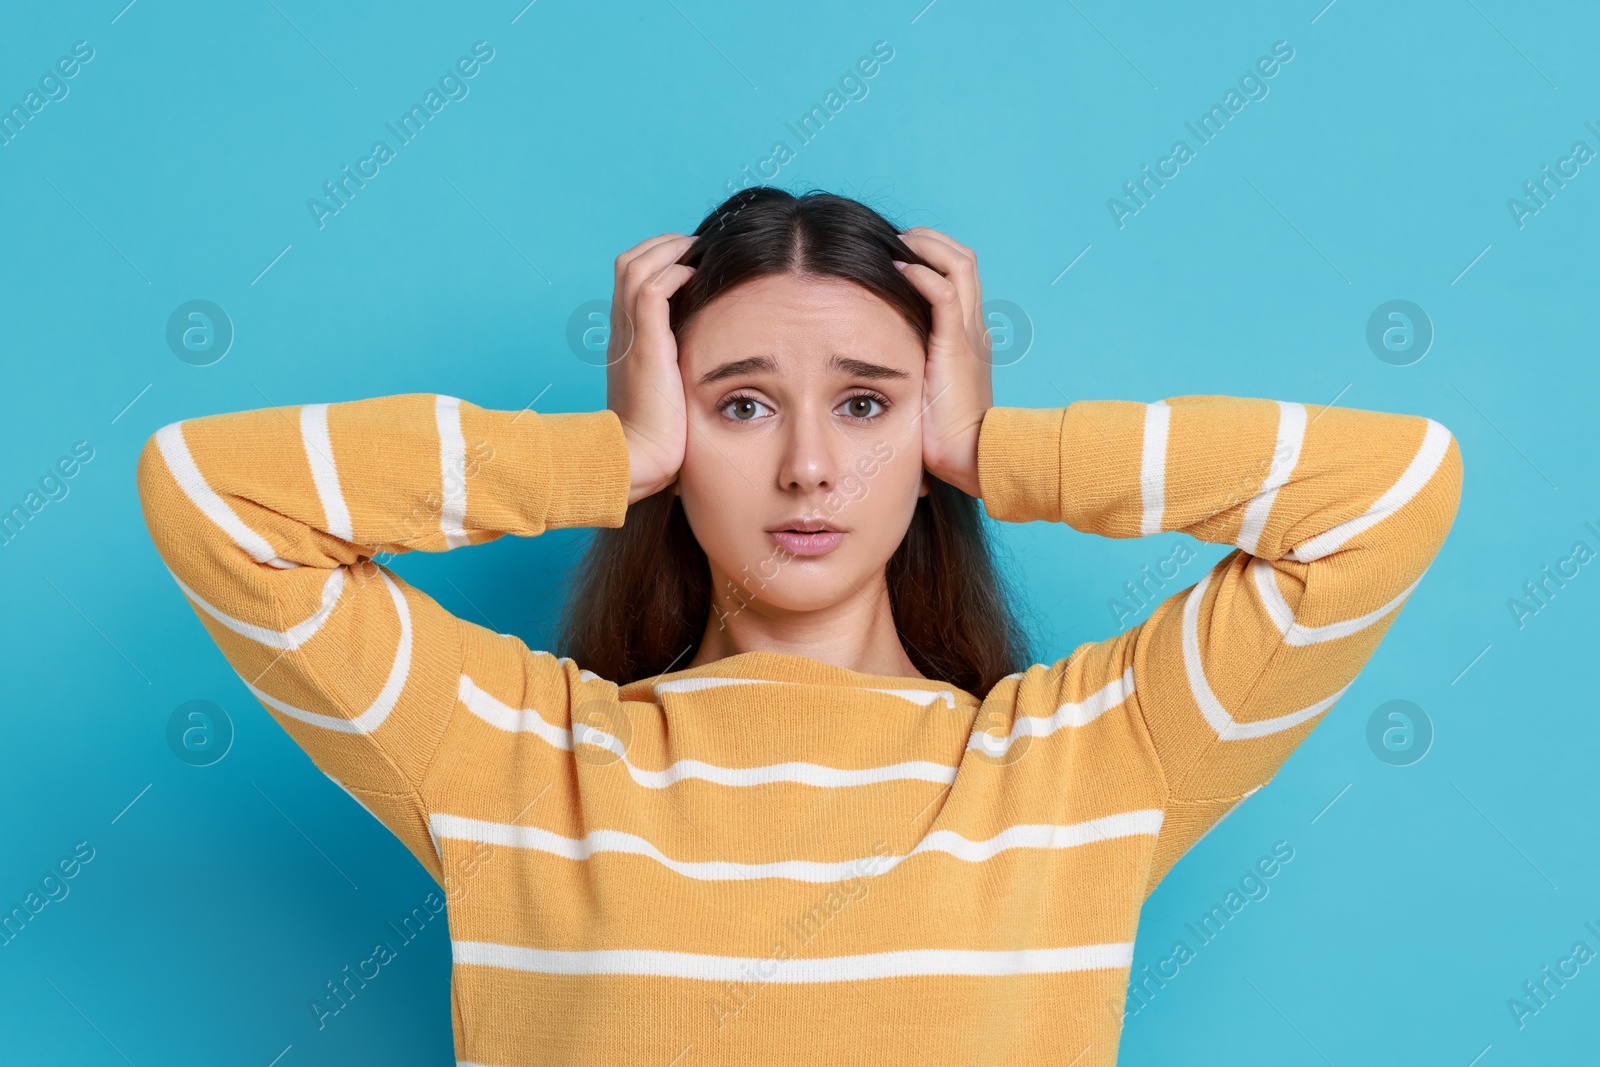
772 859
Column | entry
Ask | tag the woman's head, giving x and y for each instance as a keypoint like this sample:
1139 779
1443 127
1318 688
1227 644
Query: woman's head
801 349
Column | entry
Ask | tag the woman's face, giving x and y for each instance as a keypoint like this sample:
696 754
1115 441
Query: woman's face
804 396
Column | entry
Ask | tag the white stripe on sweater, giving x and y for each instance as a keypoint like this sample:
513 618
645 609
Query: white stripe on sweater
289 639
526 720
453 470
1226 726
1430 453
513 720
1153 467
794 970
387 697
925 697
1291 438
1043 836
319 455
1082 713
169 439
1282 614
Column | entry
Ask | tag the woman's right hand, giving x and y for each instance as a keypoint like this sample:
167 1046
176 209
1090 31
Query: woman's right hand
643 384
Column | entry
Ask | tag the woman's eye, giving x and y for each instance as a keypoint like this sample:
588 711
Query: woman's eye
743 407
861 406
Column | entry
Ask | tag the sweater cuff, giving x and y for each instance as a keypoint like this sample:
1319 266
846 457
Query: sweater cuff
587 467
1019 463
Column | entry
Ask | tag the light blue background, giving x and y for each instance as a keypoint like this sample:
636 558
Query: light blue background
1378 168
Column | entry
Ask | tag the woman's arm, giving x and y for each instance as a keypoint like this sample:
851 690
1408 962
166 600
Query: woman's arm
270 519
1335 513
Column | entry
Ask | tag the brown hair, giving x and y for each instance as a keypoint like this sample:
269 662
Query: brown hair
640 601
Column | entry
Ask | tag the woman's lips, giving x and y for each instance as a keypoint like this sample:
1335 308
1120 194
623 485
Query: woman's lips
808 544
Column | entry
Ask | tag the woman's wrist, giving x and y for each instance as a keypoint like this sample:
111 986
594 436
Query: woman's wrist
647 471
955 461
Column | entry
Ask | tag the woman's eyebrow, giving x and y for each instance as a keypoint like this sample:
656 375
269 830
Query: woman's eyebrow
855 368
860 368
737 367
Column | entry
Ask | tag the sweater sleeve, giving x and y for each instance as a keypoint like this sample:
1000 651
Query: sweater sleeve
275 522
1335 515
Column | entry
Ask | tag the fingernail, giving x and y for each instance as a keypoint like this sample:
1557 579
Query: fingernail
899 265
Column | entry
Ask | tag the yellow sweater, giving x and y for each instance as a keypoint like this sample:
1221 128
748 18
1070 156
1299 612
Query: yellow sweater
771 859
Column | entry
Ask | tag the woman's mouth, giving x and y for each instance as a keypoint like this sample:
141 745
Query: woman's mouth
807 543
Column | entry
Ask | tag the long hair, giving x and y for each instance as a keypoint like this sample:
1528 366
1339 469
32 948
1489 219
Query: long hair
640 600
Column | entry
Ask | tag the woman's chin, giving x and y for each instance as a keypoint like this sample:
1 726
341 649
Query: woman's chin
796 593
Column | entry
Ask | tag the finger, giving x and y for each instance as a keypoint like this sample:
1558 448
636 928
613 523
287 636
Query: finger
649 242
669 245
958 266
655 290
655 254
648 316
653 283
941 252
946 238
624 258
942 294
666 281
633 274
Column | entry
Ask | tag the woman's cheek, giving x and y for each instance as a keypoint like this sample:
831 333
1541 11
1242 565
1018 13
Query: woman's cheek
712 516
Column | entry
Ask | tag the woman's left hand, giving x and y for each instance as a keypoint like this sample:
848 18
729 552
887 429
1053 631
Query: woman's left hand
956 385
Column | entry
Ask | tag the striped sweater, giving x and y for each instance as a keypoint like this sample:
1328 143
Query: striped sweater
770 858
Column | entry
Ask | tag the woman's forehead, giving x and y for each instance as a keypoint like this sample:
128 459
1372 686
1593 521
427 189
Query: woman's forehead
792 318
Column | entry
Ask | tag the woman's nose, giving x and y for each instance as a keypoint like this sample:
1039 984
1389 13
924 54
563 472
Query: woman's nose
808 461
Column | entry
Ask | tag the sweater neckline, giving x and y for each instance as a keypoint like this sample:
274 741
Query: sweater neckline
767 665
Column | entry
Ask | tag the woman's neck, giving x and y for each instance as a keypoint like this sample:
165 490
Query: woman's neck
857 633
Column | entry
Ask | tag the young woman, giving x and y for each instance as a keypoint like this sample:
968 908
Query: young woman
795 792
